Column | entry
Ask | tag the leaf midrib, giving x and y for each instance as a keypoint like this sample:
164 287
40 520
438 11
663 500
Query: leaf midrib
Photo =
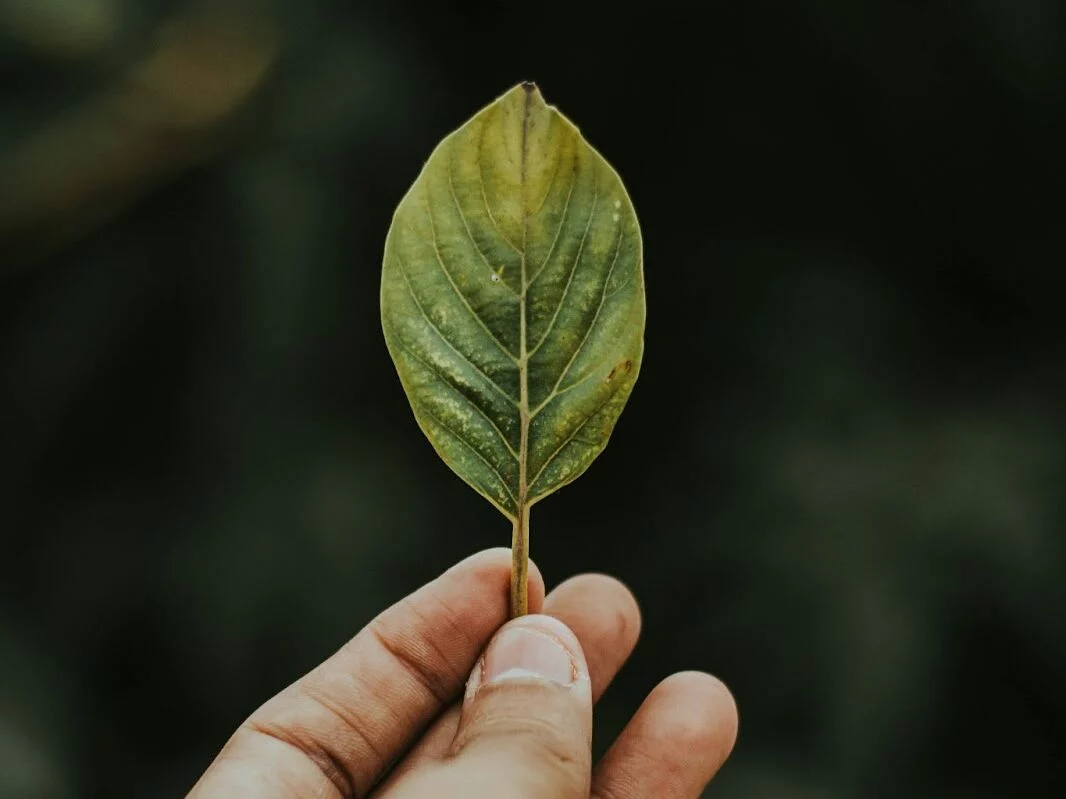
523 354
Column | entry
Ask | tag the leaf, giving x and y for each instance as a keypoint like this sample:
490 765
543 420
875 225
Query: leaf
512 301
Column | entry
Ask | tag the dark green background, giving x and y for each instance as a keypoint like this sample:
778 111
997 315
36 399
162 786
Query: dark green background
838 484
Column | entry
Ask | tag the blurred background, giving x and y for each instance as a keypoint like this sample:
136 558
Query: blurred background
838 484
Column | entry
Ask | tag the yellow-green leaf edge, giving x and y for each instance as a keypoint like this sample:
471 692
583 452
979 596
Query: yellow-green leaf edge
516 246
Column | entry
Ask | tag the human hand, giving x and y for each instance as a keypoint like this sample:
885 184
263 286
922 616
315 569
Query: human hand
524 727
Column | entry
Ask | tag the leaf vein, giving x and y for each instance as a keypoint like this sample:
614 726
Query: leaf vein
551 183
581 380
551 458
559 230
462 440
595 318
481 181
437 330
573 271
470 233
455 288
454 388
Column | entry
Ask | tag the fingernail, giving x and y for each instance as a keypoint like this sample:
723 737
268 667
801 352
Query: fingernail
528 651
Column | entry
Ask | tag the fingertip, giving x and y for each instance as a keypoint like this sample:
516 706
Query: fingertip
491 570
604 614
703 713
674 744
607 591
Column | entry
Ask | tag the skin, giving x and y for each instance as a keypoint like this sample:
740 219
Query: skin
387 715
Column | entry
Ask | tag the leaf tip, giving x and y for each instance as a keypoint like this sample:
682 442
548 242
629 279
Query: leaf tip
528 92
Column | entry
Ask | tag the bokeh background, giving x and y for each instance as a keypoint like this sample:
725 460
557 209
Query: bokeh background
838 484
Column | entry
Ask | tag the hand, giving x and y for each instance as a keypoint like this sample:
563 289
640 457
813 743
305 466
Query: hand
524 727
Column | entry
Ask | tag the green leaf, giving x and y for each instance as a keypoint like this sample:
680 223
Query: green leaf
512 301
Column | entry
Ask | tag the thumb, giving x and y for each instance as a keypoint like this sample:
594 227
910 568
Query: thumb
526 727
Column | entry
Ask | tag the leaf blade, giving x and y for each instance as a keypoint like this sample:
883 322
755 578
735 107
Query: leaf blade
518 334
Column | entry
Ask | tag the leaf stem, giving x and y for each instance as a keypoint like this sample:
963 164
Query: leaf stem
520 565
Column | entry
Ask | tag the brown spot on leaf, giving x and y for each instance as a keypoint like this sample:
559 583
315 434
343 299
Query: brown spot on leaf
626 366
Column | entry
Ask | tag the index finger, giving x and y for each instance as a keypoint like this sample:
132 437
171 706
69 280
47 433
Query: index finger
335 731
